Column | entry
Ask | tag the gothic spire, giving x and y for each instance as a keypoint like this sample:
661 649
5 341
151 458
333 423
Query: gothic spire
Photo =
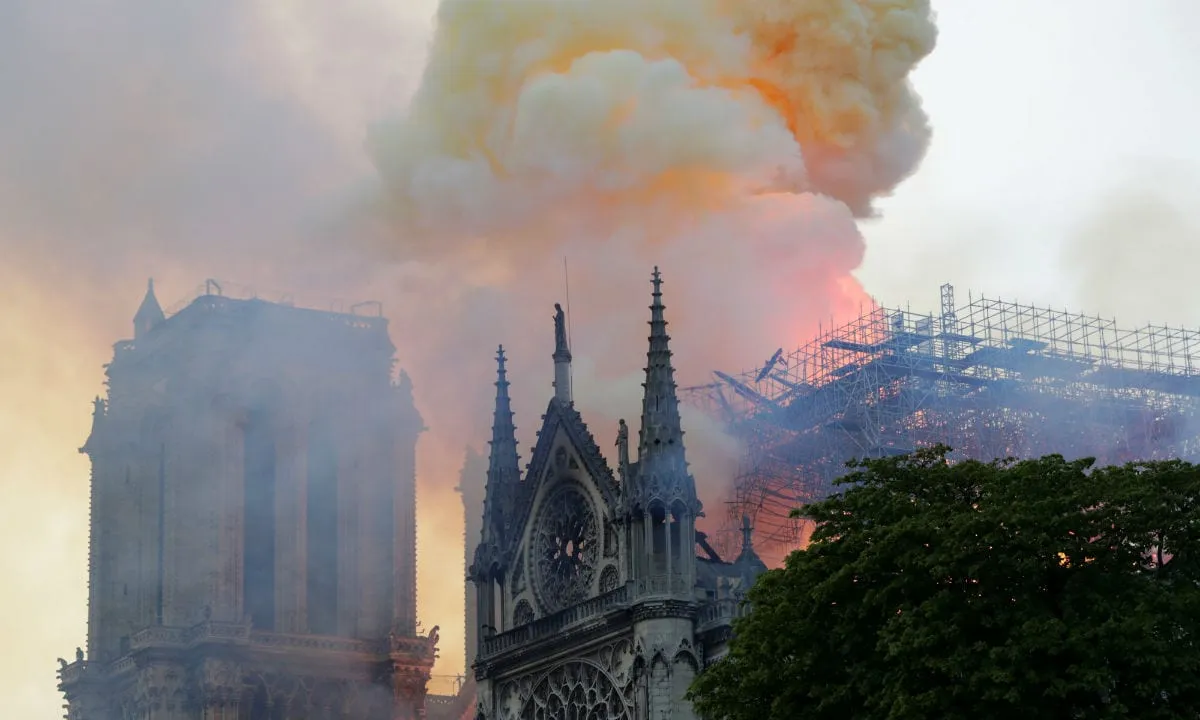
503 463
149 312
662 465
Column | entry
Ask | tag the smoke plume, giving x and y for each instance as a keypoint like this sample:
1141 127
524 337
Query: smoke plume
539 115
1152 206
733 144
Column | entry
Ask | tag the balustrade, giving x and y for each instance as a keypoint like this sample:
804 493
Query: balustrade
556 623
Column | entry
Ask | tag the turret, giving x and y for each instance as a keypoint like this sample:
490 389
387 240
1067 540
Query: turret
660 508
503 463
149 313
503 475
750 564
662 463
660 497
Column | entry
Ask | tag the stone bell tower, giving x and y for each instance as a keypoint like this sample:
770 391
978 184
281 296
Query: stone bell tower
252 548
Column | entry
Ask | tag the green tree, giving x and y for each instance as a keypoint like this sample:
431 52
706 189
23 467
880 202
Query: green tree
930 589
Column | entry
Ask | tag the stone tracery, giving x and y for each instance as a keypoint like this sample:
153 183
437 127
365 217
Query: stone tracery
612 640
576 691
522 614
566 548
609 579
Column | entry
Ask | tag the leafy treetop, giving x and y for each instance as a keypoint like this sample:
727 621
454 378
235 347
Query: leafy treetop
930 589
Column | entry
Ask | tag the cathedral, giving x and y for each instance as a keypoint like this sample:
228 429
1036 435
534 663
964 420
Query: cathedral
595 594
252 550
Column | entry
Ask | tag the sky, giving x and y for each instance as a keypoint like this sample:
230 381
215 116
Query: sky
187 144
1057 127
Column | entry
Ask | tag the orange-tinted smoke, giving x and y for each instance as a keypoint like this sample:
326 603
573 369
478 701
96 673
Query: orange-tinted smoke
148 139
733 144
182 142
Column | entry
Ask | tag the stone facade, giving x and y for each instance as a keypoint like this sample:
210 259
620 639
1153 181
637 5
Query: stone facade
595 594
253 531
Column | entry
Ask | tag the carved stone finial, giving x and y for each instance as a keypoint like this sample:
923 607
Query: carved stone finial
622 446
78 654
562 357
560 330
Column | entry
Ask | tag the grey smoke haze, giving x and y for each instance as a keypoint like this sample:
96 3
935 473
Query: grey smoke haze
197 132
115 164
223 139
1134 255
181 140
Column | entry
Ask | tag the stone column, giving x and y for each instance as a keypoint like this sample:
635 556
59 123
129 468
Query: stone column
407 427
377 530
405 542
290 524
230 503
349 491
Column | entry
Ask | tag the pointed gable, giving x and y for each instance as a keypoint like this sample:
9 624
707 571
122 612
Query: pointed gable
563 427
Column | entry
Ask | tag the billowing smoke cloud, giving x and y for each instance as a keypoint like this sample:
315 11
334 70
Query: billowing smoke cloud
733 144
540 110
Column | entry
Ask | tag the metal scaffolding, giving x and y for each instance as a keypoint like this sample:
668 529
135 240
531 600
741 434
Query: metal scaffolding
992 379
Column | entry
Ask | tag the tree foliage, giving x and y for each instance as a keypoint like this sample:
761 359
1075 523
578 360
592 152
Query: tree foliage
1032 589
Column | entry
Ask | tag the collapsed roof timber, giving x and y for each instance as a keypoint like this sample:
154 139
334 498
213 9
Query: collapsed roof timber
991 379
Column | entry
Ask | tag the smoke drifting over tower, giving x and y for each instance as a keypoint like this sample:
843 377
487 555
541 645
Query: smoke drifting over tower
737 143
717 139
